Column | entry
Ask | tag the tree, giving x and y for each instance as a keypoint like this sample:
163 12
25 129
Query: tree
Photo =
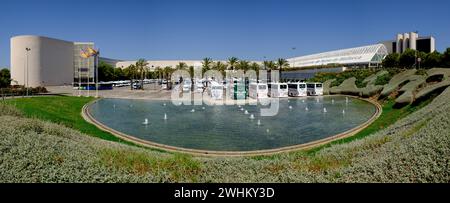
254 66
159 72
181 66
119 74
408 58
105 72
131 73
243 65
221 67
432 60
446 59
168 70
141 67
232 62
206 64
5 78
391 60
269 65
265 65
191 71
282 63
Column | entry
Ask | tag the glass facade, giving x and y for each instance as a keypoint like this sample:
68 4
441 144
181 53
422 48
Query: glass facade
83 67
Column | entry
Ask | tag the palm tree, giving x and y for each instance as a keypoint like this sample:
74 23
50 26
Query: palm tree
243 65
254 66
158 72
271 65
191 71
206 64
221 67
282 63
266 64
141 66
131 73
232 62
181 66
168 75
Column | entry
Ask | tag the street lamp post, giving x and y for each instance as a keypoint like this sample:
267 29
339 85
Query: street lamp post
26 72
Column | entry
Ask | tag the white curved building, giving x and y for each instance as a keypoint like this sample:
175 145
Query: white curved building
366 56
50 61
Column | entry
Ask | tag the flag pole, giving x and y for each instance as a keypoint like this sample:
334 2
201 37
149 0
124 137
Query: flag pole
79 75
89 76
96 73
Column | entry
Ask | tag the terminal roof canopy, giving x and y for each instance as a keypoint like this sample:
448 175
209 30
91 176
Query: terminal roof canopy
371 54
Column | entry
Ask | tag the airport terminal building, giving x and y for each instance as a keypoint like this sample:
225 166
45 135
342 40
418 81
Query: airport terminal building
42 61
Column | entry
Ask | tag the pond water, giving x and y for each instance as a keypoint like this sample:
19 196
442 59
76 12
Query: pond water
228 127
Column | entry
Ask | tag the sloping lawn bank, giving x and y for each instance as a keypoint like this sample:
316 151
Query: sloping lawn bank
65 110
388 117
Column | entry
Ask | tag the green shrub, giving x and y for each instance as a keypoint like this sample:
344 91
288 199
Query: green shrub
359 74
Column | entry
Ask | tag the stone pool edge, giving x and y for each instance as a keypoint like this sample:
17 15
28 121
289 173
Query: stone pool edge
90 119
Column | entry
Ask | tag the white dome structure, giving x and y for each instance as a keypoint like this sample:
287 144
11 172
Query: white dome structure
372 54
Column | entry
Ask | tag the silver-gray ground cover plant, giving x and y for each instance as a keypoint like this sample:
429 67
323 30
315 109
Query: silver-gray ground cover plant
414 149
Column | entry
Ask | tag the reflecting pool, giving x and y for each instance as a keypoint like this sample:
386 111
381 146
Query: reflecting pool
233 127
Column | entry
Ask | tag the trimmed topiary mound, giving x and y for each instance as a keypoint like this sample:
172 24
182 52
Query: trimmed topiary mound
396 81
347 87
327 86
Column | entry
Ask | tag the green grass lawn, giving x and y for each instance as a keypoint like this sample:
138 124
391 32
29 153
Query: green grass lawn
65 110
389 116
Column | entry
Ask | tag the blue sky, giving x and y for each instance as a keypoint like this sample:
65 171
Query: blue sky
194 29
